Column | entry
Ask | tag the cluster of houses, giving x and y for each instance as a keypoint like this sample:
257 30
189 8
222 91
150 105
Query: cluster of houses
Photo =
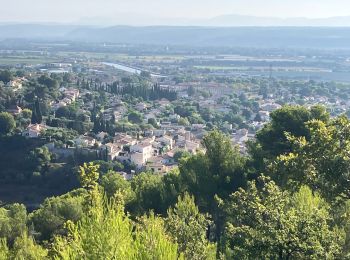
69 96
154 151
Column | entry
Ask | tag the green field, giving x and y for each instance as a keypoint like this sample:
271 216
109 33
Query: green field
12 60
215 67
121 56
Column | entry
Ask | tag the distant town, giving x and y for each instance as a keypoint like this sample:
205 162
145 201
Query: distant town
143 112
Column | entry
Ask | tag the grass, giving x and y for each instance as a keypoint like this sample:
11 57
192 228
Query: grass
12 60
215 67
121 56
34 60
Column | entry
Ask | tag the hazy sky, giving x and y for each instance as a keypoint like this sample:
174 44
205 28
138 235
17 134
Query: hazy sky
74 10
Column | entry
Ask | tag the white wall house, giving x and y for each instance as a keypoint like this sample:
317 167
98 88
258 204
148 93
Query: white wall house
33 131
140 153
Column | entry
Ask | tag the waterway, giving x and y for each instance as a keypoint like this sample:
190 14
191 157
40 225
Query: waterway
129 69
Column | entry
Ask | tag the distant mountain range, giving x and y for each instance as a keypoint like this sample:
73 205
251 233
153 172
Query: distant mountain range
221 21
242 20
266 37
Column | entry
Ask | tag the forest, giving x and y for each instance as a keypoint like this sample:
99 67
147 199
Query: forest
287 199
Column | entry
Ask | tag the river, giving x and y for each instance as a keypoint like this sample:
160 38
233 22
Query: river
130 69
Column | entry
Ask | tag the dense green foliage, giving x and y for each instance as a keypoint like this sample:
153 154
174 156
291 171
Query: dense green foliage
289 199
7 123
267 223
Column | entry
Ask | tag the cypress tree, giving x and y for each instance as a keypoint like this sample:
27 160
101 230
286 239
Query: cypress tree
39 115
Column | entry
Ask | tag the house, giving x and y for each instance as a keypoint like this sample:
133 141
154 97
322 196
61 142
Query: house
85 141
138 159
271 106
112 151
183 136
241 136
156 165
140 153
124 140
14 110
174 117
264 115
59 104
72 94
196 127
163 102
101 135
149 116
166 141
144 148
33 131
141 107
15 84
159 133
191 146
148 133
168 158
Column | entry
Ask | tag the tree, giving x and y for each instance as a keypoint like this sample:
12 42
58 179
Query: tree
7 123
322 161
271 140
213 176
145 74
54 212
50 83
265 222
102 234
153 122
191 91
152 242
257 117
148 193
107 233
184 121
135 117
189 227
39 159
171 189
5 76
64 112
26 248
114 183
290 119
88 177
4 250
27 113
247 113
234 119
37 117
217 172
12 222
178 155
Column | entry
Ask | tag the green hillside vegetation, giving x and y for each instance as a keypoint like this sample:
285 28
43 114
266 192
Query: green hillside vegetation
289 198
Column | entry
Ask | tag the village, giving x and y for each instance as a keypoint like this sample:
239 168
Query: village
151 135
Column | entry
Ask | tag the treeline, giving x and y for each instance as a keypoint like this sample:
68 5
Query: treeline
288 199
154 92
138 88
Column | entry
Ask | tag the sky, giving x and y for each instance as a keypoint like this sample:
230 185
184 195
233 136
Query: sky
75 11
